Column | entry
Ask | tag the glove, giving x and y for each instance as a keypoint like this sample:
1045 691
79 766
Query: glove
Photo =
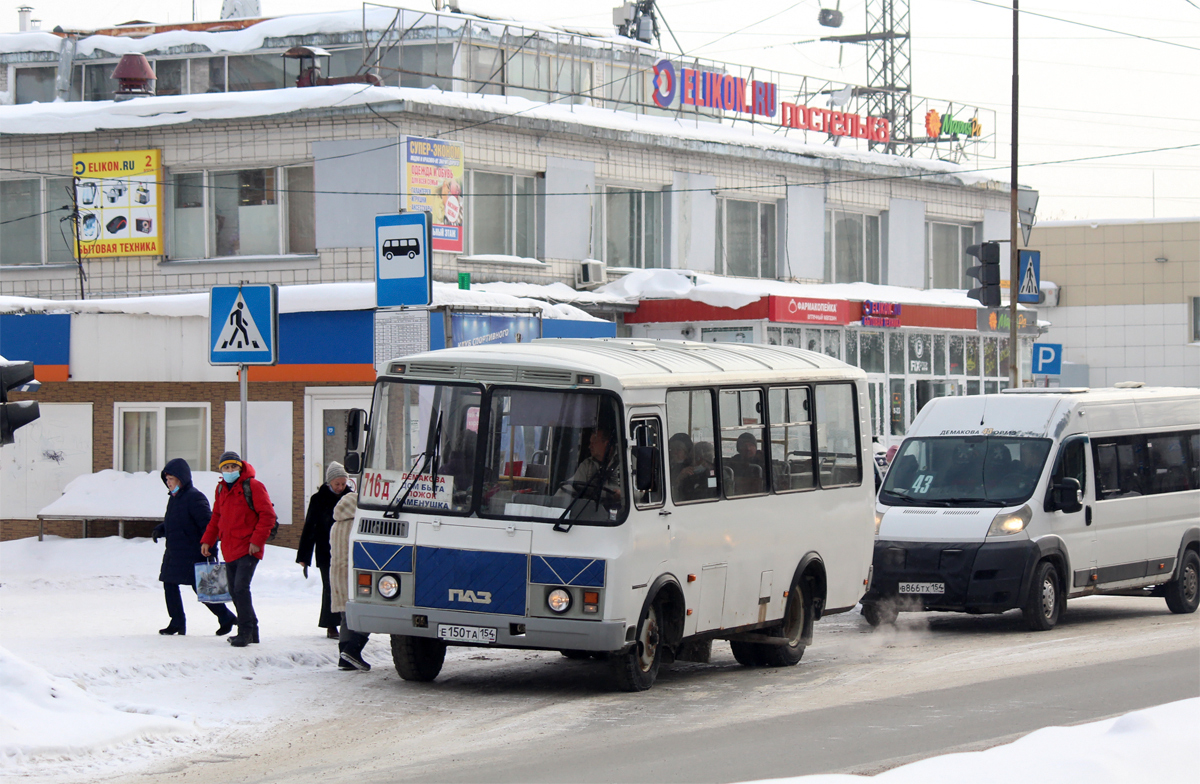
305 571
155 538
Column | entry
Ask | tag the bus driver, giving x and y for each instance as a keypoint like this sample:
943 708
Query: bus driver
601 457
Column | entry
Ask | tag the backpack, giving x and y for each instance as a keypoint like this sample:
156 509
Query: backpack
250 503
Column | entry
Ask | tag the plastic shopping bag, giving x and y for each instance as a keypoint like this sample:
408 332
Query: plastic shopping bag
212 582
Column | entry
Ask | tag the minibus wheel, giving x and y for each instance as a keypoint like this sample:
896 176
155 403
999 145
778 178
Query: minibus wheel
791 629
1044 604
1183 593
636 668
878 614
417 658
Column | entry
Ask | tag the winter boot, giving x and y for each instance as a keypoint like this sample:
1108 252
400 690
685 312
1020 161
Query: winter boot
354 660
173 629
331 633
245 636
227 626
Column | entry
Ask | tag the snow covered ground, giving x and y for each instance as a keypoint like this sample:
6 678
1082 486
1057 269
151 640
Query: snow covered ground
90 691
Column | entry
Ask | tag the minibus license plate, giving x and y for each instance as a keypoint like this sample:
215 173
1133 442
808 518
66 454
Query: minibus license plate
452 633
938 588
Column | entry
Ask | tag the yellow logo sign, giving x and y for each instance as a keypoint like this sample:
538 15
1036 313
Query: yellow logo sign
119 195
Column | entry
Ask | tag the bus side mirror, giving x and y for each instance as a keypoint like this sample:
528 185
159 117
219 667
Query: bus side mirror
355 422
353 463
645 458
1068 495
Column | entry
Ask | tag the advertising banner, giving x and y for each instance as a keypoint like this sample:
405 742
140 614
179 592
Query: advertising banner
797 310
476 329
996 320
120 203
433 180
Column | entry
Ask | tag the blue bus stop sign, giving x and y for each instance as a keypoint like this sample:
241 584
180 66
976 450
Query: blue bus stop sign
1047 359
402 260
243 323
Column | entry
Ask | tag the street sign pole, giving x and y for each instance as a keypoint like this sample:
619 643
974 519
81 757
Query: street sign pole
243 373
244 331
1014 352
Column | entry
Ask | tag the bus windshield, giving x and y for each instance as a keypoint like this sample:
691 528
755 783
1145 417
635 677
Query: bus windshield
421 451
554 456
965 471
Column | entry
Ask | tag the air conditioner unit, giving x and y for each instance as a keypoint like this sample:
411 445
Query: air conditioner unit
591 273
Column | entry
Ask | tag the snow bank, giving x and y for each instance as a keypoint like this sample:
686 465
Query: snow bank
726 292
116 495
292 299
1157 743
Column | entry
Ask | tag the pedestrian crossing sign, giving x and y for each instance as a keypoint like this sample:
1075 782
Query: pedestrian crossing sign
1030 283
243 325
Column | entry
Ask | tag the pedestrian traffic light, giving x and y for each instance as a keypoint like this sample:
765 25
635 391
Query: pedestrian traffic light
15 415
987 273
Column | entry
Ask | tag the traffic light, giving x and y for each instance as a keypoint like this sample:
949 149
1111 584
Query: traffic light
987 273
15 415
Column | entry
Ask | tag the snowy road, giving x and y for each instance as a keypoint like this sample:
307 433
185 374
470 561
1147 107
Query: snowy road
861 700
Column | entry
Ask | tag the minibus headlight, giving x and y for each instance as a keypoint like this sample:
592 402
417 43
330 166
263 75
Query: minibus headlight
389 586
1009 523
558 600
878 520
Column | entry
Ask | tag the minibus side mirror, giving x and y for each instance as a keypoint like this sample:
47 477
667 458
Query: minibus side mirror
353 463
1068 495
355 422
646 458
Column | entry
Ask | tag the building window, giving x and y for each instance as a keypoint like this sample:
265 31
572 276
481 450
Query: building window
503 214
632 227
36 85
851 247
948 259
1196 319
150 434
255 72
745 239
31 227
249 212
170 77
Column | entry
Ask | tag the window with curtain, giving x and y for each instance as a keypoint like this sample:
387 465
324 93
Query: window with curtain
503 214
746 239
948 260
150 434
633 230
851 247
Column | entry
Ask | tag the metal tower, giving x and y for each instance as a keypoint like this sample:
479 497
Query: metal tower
889 70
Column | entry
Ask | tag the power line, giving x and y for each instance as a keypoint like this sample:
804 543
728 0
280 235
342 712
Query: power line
1085 24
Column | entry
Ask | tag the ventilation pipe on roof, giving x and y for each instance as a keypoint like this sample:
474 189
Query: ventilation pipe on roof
24 15
66 68
135 77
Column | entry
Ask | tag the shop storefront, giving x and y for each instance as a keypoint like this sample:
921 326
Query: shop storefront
912 353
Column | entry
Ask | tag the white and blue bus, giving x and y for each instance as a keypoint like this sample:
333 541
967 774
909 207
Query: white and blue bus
631 500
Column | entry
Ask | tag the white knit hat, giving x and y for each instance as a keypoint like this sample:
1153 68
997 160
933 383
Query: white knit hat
334 470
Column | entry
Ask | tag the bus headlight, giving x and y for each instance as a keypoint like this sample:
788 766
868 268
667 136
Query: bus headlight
558 600
389 586
1009 523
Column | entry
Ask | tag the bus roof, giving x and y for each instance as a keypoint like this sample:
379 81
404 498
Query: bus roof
624 362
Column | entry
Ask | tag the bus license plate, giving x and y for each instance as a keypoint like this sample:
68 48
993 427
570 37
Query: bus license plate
476 634
936 588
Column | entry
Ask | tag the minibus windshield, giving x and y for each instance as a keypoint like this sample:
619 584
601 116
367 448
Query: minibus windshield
421 452
553 456
965 471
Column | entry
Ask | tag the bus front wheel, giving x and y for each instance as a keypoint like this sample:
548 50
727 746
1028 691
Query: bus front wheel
636 668
1183 593
1045 601
879 614
417 658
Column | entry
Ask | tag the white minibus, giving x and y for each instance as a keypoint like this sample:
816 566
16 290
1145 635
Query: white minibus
1028 497
629 500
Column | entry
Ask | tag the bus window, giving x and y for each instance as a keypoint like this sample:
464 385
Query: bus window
791 440
647 433
690 422
1117 465
840 459
743 468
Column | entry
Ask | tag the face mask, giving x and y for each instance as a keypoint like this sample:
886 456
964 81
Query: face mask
231 476
174 489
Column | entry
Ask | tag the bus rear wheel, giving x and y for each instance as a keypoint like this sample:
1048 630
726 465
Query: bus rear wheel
636 668
1183 593
790 649
417 658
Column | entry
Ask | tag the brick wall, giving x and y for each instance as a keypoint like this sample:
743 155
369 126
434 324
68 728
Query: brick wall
104 395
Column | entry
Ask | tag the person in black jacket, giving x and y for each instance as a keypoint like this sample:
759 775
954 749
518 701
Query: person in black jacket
317 523
183 524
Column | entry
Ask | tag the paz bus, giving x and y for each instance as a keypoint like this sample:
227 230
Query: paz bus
625 500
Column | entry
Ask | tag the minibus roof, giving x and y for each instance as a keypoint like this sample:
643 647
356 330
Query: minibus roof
624 362
1049 414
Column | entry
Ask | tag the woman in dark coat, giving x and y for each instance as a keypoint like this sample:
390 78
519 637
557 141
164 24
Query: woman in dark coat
183 524
315 535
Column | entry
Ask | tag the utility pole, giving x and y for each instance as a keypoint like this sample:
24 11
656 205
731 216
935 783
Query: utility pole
75 224
1014 272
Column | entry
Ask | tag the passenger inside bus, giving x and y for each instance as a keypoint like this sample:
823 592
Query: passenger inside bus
698 481
679 453
746 467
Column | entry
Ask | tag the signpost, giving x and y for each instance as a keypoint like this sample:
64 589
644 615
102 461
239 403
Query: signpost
1030 287
402 260
243 326
1047 359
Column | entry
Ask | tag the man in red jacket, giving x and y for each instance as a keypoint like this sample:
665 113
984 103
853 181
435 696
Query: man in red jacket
242 519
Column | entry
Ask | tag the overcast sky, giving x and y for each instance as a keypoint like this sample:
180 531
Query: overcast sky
1085 92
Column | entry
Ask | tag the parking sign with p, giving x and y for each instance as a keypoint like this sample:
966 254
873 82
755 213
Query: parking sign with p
1047 359
402 262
